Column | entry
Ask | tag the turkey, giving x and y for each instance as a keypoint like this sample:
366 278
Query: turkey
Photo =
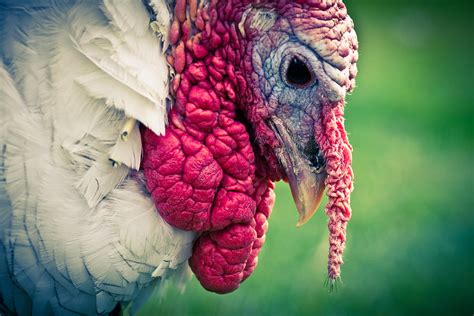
140 140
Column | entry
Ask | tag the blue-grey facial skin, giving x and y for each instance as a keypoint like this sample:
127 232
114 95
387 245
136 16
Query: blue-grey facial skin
297 106
292 102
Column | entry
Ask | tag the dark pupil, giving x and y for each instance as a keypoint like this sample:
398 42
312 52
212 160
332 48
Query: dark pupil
298 73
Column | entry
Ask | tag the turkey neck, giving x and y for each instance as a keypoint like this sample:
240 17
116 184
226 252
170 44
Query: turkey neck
202 173
212 46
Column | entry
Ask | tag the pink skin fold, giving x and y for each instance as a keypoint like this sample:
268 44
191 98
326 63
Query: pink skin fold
332 138
212 171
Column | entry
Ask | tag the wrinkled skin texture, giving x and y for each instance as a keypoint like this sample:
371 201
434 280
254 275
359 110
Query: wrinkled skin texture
213 169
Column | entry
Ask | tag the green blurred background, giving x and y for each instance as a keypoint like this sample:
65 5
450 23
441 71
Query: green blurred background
410 243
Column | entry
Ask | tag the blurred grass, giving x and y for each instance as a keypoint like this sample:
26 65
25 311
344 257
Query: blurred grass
411 239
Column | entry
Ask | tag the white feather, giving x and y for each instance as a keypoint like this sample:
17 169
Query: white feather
132 57
128 150
76 234
99 180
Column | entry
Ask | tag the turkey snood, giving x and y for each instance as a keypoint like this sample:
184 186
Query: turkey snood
212 172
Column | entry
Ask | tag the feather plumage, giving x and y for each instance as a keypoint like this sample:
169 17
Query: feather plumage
128 148
76 234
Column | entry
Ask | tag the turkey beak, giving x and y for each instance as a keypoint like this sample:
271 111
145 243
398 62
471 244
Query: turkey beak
307 190
305 172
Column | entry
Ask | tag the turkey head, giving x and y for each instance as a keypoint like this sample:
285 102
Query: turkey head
259 92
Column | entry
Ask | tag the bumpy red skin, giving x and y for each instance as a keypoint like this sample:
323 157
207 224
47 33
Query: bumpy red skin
204 174
332 137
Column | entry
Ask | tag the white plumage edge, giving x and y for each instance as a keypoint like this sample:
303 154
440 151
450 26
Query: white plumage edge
78 235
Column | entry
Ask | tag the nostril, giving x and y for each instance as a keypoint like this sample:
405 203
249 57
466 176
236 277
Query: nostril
314 155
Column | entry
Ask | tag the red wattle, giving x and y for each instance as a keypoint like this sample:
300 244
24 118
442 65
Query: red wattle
202 186
202 172
224 258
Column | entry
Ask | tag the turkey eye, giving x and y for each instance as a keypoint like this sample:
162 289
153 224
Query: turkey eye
298 73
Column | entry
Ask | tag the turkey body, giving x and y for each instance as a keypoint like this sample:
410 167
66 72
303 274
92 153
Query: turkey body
78 233
258 89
